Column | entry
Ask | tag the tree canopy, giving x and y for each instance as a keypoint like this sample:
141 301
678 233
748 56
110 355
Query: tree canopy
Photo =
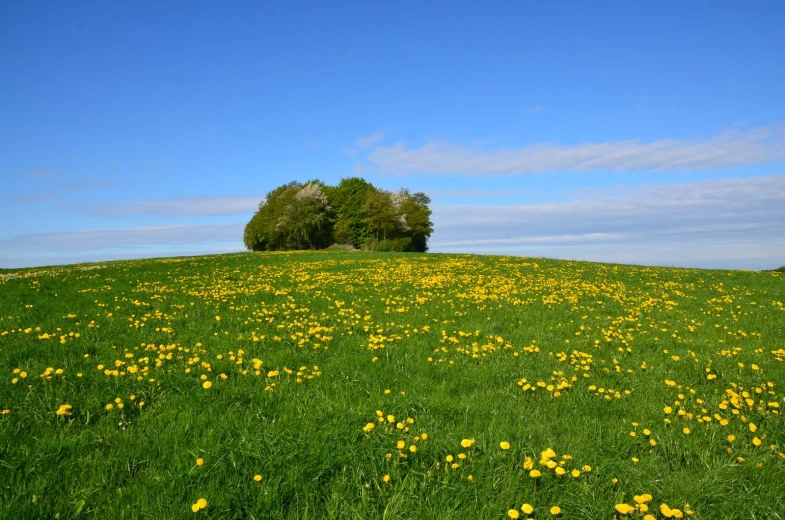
313 215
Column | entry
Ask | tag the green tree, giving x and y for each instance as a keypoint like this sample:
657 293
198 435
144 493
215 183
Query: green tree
381 216
347 200
304 223
262 233
314 215
417 216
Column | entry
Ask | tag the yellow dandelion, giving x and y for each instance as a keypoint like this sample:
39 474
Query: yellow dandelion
200 504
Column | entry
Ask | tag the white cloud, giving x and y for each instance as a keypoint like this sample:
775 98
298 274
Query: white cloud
738 221
533 109
193 206
125 238
368 141
727 149
41 197
470 193
39 174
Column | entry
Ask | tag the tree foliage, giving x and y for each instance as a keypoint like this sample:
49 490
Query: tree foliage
314 216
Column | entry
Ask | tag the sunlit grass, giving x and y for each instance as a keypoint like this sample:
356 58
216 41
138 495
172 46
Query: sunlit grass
358 385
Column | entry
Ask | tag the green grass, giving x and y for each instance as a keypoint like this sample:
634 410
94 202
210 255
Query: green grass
444 340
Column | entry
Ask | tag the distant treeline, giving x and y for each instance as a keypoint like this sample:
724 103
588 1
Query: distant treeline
314 215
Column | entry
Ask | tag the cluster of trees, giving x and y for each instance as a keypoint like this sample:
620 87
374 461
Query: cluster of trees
314 215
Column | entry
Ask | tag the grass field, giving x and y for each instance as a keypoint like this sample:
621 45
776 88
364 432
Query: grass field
358 385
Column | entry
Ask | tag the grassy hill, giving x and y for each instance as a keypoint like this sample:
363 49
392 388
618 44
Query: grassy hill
349 385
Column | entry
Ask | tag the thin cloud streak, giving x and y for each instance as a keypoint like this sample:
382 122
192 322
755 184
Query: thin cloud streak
727 149
739 220
33 198
368 141
192 206
127 238
471 193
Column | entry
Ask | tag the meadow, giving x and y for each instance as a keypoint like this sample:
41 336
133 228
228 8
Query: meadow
354 385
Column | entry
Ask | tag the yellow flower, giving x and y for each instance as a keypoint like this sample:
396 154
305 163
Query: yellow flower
400 445
386 478
199 461
527 509
667 511
200 504
753 428
413 448
535 473
731 438
575 473
504 445
555 510
64 410
467 443
642 499
257 478
206 385
624 509
686 431
513 513
756 441
109 406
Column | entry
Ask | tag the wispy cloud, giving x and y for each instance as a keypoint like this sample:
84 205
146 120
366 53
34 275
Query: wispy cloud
727 149
77 257
702 224
471 193
368 141
33 198
128 238
533 109
190 206
39 174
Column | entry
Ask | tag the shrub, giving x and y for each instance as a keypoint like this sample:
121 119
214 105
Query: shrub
401 245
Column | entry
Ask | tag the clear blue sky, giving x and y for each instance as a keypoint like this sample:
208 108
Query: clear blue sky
645 132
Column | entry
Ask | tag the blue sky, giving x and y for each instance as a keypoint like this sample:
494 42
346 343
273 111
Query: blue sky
641 132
